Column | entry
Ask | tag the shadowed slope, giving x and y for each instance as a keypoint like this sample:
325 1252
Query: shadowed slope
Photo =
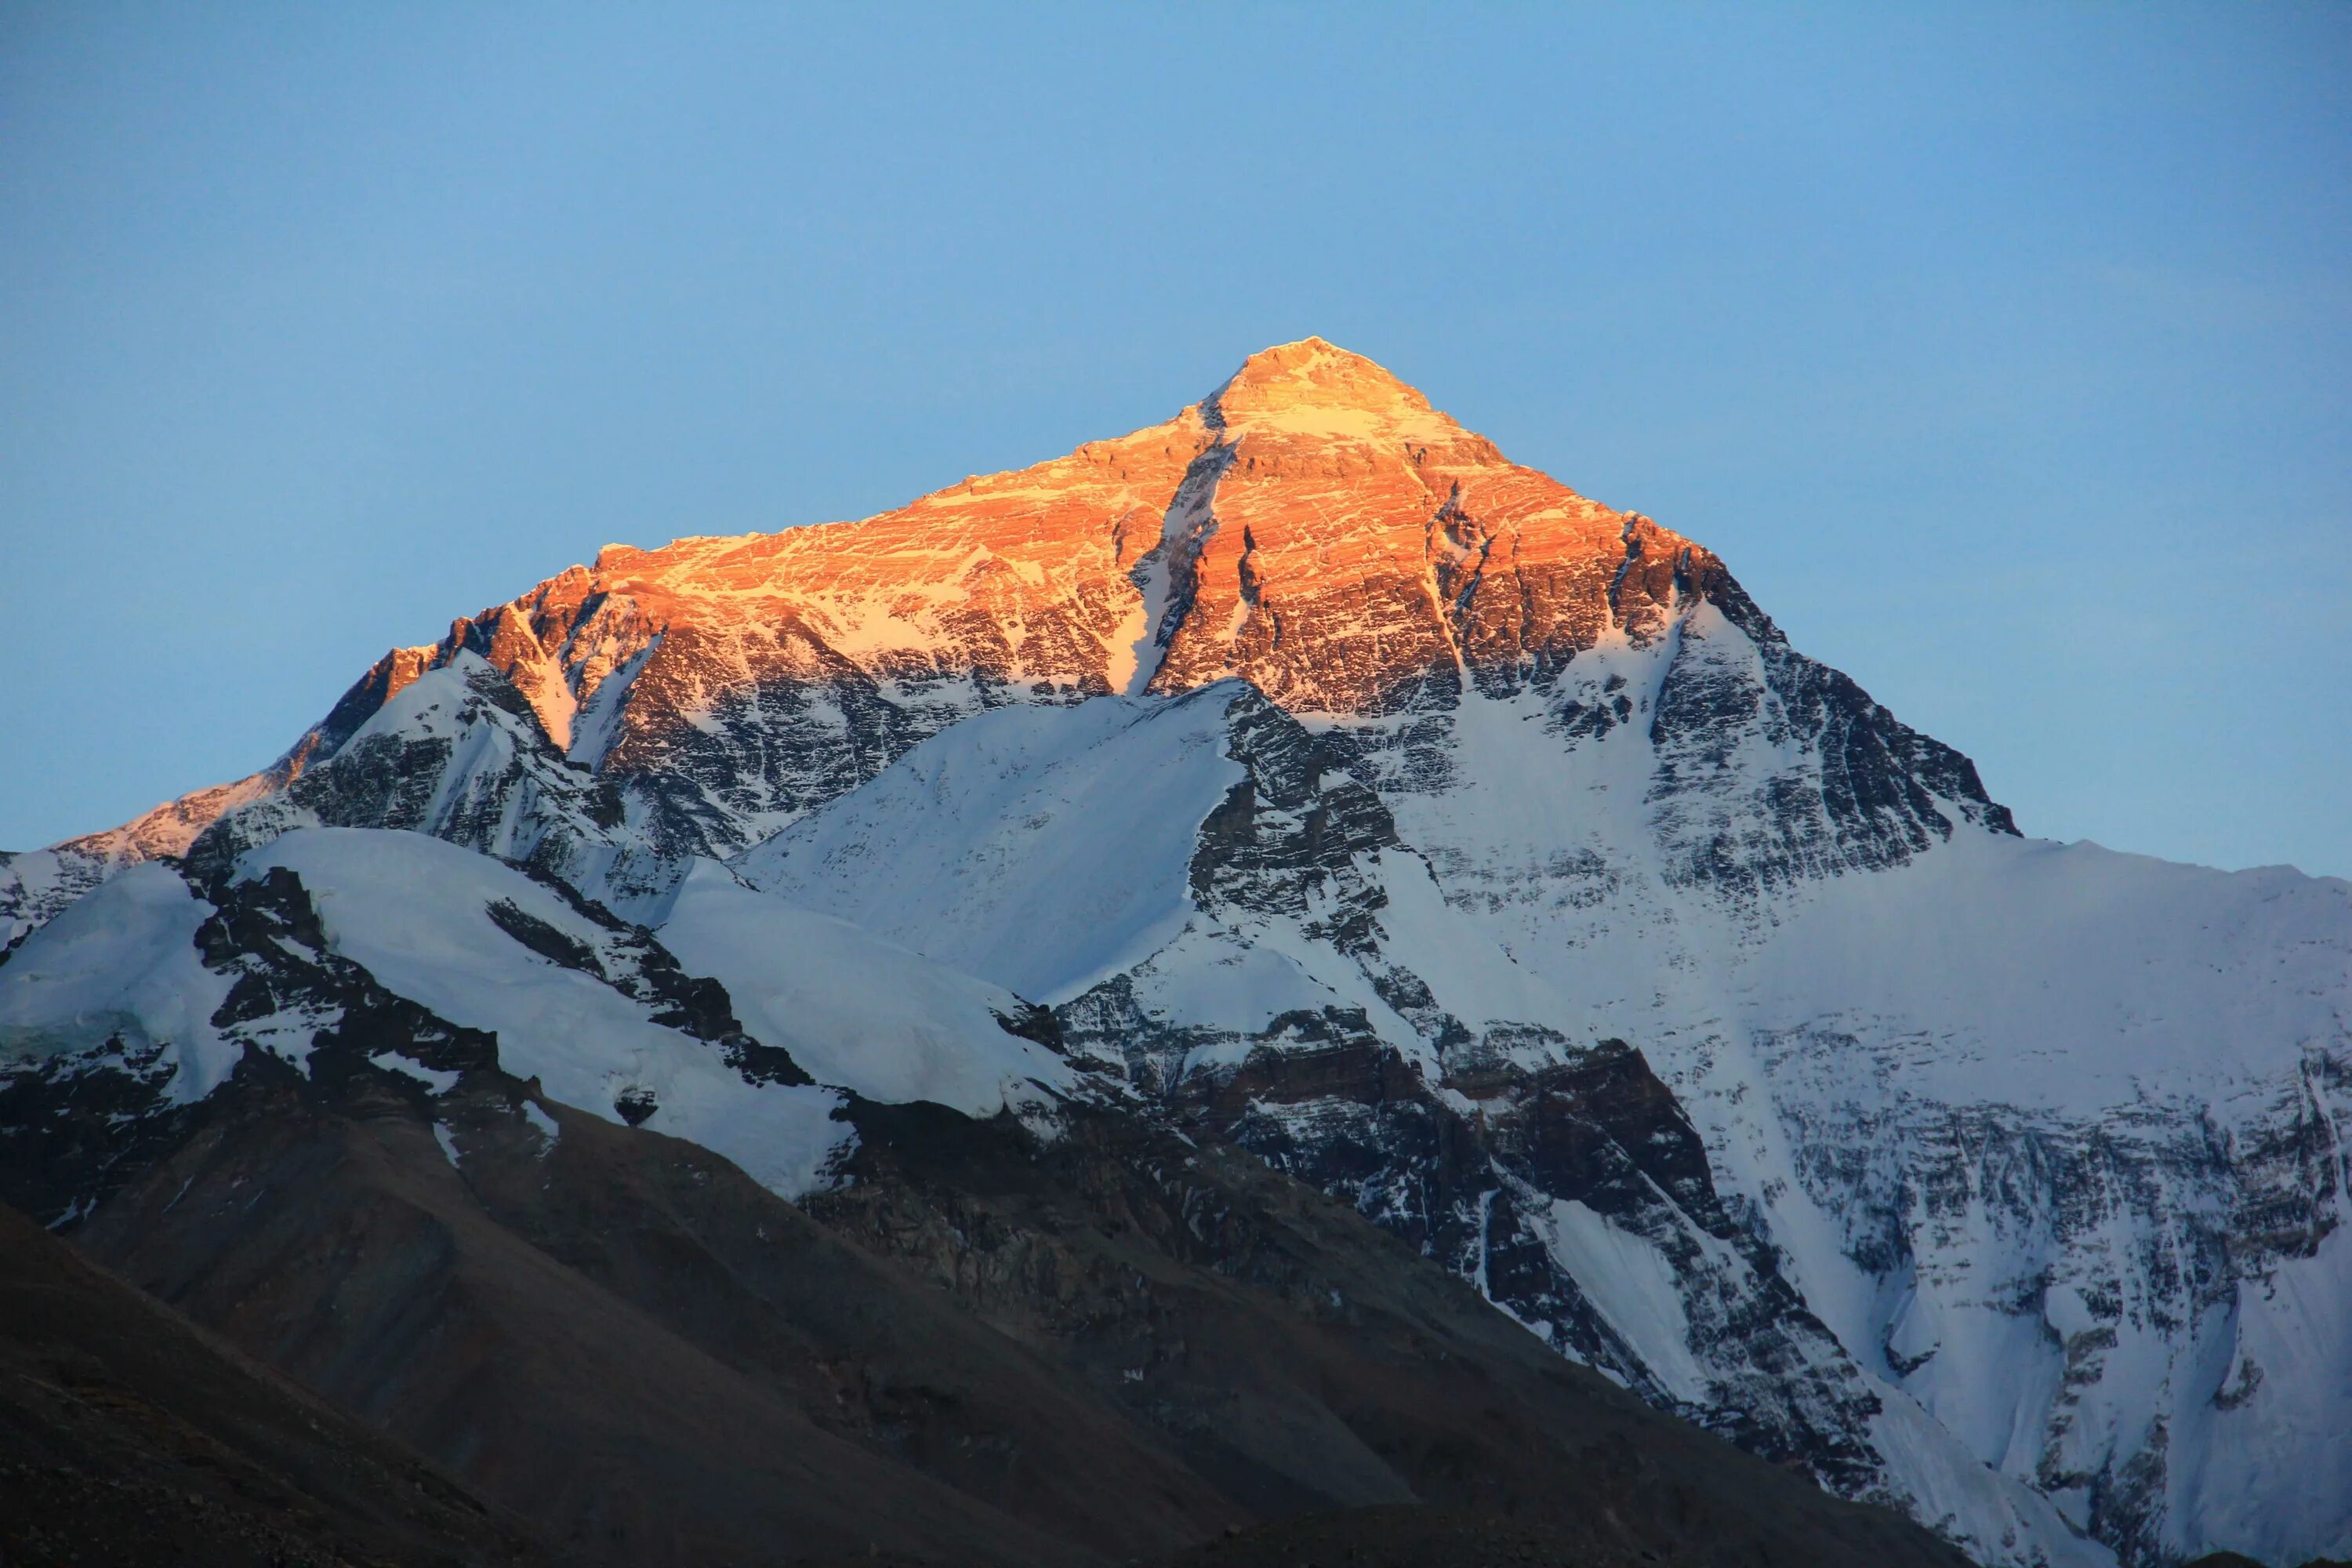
131 1436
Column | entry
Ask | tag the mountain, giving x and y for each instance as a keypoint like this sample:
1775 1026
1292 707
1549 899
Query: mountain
1300 781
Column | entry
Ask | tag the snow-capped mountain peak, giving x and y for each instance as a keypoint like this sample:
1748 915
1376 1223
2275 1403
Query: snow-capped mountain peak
1478 853
1314 388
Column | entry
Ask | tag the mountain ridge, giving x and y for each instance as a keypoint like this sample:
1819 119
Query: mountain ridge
1197 598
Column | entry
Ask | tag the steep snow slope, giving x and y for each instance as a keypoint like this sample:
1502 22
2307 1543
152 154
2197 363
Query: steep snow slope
2037 1131
1263 957
2111 996
1973 1102
1042 849
858 1011
162 989
487 948
2046 1135
453 751
2085 1110
117 975
457 753
1056 849
35 884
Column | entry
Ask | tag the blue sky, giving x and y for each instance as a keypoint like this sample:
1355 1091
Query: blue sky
2005 353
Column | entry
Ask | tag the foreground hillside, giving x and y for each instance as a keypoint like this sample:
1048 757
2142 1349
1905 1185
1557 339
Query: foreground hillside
126 1435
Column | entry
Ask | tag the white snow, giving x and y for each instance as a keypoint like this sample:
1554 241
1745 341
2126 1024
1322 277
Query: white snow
2062 986
947 852
431 706
597 723
122 961
1990 976
1141 643
1633 1286
856 1011
433 1078
2294 1425
1949 1490
35 884
1470 974
1211 978
412 911
2068 977
548 1128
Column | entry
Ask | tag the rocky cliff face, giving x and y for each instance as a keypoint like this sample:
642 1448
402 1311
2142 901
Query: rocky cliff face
1486 858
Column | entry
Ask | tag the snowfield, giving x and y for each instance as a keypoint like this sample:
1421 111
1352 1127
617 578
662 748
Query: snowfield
1043 849
415 912
856 1011
120 965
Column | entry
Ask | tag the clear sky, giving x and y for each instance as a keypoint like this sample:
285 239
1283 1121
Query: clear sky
2004 354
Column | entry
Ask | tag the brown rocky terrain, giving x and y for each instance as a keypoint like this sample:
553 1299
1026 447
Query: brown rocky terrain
130 1436
981 1350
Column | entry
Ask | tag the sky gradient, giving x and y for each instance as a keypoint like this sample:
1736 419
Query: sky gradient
2005 354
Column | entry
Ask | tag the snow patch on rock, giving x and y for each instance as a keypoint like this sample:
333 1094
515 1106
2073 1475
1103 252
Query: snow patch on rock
120 965
415 914
856 1011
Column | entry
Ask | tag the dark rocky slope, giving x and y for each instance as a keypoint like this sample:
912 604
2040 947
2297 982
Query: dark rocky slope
130 1436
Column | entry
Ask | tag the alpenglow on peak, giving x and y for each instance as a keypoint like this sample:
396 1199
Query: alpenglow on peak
1314 387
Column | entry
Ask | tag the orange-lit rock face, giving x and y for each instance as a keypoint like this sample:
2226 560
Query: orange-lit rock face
1313 526
1357 544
